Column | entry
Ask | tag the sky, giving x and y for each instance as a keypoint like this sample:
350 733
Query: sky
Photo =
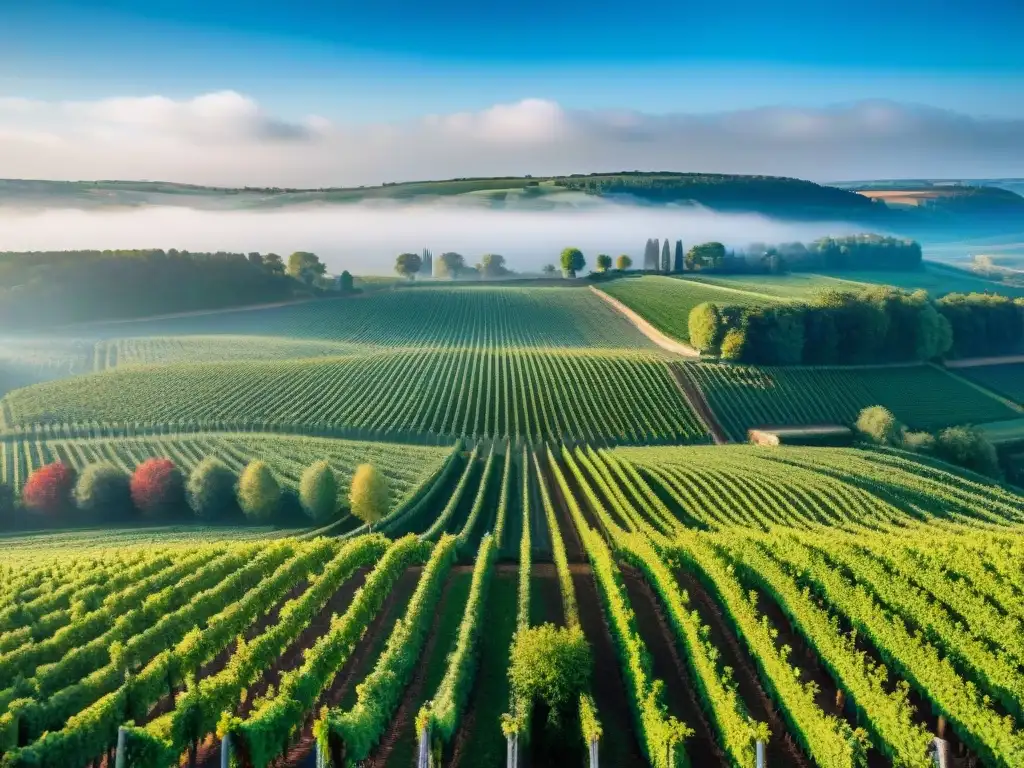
333 93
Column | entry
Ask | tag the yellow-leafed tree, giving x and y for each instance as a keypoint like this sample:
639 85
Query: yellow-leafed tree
368 496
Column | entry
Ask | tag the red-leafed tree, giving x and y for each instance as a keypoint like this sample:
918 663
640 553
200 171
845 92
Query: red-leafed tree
158 488
48 490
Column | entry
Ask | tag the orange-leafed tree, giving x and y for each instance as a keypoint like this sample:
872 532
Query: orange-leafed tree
48 489
158 488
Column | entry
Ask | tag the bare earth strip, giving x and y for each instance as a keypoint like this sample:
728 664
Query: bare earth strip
647 329
973 362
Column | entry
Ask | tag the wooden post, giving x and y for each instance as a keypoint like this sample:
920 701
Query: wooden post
840 699
121 761
940 729
225 751
761 763
941 753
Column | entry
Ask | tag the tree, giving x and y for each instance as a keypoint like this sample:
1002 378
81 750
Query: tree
934 336
878 425
623 263
492 265
259 494
705 328
705 256
408 265
273 264
666 258
572 261
428 263
48 489
346 282
368 497
651 256
305 266
549 269
157 488
678 263
551 665
104 491
450 264
318 492
211 489
733 345
969 448
919 442
255 258
604 262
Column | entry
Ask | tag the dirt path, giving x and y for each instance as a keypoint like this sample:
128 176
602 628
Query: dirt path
619 746
681 696
570 536
545 596
782 749
699 404
648 330
973 362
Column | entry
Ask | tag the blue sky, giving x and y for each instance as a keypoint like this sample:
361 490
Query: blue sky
284 91
388 59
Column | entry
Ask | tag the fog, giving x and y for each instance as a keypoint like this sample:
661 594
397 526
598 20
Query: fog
365 238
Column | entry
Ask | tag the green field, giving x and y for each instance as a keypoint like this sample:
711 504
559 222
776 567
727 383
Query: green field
938 279
922 397
1007 380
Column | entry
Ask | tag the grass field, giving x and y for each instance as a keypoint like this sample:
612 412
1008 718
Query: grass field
922 397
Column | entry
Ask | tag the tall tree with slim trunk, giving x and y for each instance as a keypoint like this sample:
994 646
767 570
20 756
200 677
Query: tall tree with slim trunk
666 258
677 266
427 259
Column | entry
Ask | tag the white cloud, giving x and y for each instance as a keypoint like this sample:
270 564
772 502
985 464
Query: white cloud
227 138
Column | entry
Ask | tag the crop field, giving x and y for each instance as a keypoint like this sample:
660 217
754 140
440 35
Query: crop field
922 397
404 466
937 279
482 392
1007 380
666 301
802 570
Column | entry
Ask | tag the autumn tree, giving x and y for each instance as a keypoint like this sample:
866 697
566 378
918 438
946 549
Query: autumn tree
705 328
259 494
572 261
157 488
623 263
48 489
408 265
368 497
318 492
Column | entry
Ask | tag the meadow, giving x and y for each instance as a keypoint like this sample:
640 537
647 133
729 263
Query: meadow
552 504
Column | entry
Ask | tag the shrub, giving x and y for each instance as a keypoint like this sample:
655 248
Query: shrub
968 448
318 492
552 664
920 442
104 491
877 425
211 489
48 489
705 328
733 345
369 494
158 488
259 494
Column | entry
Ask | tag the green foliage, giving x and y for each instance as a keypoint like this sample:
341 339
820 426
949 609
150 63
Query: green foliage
705 328
408 265
705 256
305 267
450 265
492 266
259 494
734 344
878 425
572 261
603 262
345 282
368 495
919 442
968 447
623 262
103 491
211 490
552 665
318 492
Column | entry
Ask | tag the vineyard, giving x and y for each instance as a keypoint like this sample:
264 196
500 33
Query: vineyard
863 602
1007 380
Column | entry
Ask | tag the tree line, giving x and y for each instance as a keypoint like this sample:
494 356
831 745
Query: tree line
877 325
55 495
44 288
451 265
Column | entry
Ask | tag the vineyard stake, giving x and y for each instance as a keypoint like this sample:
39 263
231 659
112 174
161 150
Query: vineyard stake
761 763
941 753
593 753
225 751
424 756
121 760
512 753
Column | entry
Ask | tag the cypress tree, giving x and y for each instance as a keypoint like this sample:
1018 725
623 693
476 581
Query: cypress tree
666 258
678 266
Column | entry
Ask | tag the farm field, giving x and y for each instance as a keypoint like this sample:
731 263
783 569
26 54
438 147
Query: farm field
781 553
922 397
1007 380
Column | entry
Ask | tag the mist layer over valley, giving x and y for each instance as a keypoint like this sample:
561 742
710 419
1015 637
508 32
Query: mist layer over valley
364 238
